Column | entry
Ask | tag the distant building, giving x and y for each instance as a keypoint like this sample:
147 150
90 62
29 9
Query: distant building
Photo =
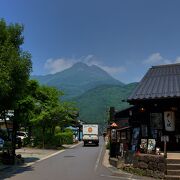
9 122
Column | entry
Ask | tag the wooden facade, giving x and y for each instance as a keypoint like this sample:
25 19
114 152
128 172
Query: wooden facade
155 115
155 119
157 102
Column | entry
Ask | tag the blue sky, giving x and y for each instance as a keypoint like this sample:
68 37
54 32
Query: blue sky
124 37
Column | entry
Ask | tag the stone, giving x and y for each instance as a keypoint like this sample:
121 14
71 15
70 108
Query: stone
149 172
161 175
152 158
135 164
162 159
162 167
146 159
143 165
152 166
156 174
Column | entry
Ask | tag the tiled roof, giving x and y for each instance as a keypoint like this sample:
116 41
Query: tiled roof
159 82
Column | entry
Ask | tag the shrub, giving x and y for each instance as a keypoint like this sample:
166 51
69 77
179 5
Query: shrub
53 141
65 137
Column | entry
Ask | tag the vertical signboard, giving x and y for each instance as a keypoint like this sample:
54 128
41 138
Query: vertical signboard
169 120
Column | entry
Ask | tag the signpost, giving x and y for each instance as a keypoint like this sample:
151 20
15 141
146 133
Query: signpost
165 139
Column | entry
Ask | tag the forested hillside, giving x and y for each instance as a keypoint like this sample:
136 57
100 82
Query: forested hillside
94 104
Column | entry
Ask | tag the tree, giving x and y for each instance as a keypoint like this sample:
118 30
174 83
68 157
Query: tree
27 106
50 112
15 66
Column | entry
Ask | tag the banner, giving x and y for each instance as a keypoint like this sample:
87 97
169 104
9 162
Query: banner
169 120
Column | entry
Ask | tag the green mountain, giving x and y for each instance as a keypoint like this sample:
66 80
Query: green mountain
94 104
93 89
78 79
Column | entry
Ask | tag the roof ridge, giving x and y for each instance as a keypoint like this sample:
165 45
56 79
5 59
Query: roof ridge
165 65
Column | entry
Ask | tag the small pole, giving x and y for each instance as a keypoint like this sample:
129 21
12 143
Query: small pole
165 150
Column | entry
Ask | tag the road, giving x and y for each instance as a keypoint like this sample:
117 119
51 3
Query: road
78 163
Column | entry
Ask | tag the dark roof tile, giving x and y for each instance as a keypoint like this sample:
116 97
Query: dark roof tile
159 82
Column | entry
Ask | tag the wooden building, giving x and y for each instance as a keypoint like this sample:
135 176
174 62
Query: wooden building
156 112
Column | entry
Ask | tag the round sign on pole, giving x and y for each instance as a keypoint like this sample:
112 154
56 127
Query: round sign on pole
90 129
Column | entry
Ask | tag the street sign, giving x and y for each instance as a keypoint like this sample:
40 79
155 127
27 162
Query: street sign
165 138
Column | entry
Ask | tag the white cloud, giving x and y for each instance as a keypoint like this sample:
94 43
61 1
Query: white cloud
158 59
56 65
177 60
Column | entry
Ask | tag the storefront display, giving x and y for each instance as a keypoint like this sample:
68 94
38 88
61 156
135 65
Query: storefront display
143 145
151 145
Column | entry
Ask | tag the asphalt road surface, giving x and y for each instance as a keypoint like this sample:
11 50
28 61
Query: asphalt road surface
78 163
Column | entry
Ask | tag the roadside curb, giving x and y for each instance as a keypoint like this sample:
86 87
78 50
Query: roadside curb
72 146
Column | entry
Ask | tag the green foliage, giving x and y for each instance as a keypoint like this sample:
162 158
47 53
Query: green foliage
57 129
35 107
136 171
65 137
92 89
94 104
50 116
15 66
54 141
14 63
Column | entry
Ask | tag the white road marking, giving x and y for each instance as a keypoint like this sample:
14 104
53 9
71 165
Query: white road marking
117 177
98 159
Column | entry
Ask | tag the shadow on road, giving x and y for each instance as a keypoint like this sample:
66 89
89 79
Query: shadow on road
30 159
12 171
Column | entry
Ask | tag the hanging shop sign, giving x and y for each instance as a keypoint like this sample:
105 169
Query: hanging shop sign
169 120
156 120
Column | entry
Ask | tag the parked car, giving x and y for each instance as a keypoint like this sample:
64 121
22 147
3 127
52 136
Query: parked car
21 136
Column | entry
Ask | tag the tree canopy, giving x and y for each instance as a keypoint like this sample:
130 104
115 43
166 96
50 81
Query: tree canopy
34 105
15 65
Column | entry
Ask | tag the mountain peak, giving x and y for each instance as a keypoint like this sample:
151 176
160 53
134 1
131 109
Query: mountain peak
80 65
78 79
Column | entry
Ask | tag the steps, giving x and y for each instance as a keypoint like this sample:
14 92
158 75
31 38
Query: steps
173 169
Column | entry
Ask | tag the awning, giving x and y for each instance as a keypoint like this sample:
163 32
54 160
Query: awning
124 128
